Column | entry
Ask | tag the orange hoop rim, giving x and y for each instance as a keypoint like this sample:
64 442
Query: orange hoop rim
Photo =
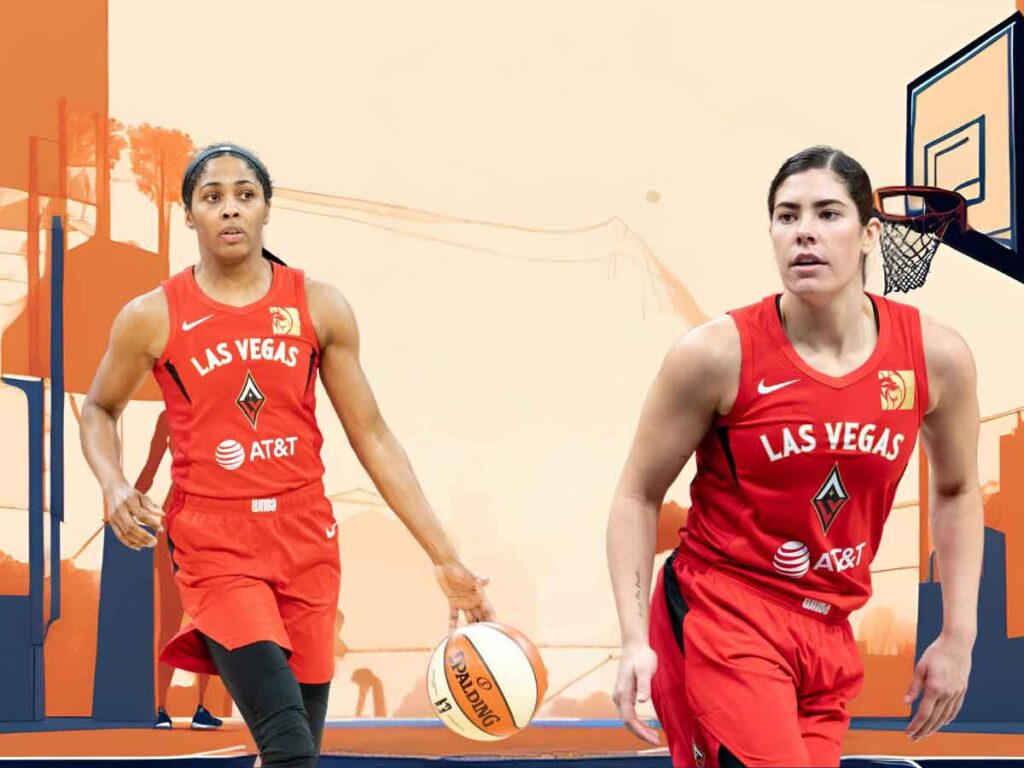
945 204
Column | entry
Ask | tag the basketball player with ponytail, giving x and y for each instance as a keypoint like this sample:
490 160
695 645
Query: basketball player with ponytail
803 410
236 343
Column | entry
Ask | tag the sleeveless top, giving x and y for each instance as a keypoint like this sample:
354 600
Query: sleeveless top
239 384
794 485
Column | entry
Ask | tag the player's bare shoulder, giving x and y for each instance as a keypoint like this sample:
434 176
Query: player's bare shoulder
332 316
705 362
948 359
143 324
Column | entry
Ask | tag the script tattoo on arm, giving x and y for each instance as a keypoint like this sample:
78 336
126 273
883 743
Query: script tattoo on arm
640 607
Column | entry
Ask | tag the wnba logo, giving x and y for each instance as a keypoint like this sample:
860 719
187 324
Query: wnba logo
264 505
897 390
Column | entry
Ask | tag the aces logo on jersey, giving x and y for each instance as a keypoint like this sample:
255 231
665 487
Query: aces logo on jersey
830 498
250 400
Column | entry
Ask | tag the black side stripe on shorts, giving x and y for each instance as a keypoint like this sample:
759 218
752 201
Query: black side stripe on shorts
170 551
677 608
723 438
177 379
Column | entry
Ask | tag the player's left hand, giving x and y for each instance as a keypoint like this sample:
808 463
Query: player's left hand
465 592
941 674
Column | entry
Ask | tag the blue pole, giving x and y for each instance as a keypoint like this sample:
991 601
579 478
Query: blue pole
56 411
33 389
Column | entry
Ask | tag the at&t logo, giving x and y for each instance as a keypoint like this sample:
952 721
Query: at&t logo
793 559
230 454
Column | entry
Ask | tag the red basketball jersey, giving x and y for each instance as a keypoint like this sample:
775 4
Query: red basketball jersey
794 485
239 383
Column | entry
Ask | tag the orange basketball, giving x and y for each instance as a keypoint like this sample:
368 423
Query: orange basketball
486 681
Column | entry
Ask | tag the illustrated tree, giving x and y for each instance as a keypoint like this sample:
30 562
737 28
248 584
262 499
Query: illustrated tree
81 127
81 138
159 157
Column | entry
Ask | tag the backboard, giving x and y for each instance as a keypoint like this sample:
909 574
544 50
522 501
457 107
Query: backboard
963 135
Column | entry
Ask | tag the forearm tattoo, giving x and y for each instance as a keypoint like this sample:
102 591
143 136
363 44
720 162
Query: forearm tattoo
640 602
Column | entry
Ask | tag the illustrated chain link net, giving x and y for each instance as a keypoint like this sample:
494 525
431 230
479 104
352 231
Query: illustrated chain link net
907 251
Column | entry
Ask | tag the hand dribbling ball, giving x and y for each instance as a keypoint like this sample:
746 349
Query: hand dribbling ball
486 681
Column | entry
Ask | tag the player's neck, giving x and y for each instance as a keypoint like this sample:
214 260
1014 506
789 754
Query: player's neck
841 325
239 283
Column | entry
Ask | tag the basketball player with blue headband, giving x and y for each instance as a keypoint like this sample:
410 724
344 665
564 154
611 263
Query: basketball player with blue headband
803 410
236 343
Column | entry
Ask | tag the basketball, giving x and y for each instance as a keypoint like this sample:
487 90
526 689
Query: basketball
486 681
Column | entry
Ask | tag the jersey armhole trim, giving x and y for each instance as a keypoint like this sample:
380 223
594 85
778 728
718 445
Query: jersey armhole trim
746 371
172 323
304 314
916 332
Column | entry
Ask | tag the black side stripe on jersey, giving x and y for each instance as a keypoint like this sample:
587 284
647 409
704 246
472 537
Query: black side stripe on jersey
177 379
677 607
309 373
723 438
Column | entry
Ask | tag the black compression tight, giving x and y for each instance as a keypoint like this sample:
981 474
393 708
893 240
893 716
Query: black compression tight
285 717
727 759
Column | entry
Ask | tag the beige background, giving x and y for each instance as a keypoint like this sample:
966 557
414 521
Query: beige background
570 145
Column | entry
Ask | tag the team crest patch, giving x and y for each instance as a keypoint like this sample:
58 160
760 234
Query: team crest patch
698 756
250 400
830 498
285 321
897 390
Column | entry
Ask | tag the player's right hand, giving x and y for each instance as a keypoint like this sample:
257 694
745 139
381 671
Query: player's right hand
130 509
465 594
633 684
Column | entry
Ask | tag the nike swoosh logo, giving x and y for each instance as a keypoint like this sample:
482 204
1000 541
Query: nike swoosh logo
186 326
767 389
331 531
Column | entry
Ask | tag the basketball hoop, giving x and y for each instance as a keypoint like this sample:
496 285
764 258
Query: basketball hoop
911 238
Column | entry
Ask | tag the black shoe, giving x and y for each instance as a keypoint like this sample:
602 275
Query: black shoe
163 720
202 719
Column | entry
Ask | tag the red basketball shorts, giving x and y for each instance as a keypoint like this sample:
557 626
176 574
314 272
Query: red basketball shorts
749 671
256 569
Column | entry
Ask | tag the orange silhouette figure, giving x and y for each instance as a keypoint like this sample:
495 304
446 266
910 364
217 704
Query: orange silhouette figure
167 601
340 646
367 682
